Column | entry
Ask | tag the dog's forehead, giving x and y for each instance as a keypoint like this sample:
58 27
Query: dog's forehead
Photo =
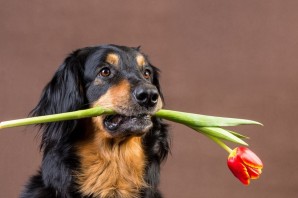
126 56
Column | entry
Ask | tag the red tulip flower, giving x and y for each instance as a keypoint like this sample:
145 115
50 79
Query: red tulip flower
245 164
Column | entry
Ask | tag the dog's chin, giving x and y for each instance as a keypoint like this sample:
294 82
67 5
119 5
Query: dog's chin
119 125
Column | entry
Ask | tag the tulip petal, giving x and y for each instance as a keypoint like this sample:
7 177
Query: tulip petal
254 173
249 158
238 170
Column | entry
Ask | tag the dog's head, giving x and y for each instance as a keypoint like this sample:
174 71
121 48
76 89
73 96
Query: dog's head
116 77
123 79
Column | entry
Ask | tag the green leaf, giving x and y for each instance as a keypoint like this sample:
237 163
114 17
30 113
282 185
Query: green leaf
197 120
220 134
238 134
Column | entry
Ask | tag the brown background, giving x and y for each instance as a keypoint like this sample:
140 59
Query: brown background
225 58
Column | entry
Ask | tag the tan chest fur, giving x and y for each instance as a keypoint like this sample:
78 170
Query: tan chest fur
111 169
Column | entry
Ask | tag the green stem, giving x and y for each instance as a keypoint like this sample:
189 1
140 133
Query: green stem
220 143
208 125
189 119
56 117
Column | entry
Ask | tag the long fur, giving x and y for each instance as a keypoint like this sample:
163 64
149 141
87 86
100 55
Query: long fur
69 90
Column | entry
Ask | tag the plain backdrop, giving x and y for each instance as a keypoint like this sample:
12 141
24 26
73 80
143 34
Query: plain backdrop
225 58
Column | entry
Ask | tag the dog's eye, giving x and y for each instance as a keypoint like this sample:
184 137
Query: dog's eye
147 74
105 72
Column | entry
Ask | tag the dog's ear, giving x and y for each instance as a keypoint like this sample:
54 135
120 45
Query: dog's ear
64 93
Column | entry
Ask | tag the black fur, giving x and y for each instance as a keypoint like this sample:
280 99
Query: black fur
72 89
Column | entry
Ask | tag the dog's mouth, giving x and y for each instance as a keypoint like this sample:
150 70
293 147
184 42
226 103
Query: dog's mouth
119 124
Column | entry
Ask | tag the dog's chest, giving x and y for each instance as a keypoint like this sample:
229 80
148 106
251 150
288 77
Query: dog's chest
111 171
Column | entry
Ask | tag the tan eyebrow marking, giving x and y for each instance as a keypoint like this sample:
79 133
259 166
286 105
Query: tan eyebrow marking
140 60
113 59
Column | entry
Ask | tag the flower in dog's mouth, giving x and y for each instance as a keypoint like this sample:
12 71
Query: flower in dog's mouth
244 164
136 124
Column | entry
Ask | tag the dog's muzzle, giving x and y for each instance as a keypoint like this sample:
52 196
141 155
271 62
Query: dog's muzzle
136 118
127 125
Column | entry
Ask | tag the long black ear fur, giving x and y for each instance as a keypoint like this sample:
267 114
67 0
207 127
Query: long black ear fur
65 92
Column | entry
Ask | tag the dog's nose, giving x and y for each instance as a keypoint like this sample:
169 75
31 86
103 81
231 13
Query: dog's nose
146 96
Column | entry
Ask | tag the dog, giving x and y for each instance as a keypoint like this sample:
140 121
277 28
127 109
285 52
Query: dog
109 156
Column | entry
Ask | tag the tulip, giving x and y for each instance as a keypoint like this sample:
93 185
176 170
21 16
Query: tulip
245 164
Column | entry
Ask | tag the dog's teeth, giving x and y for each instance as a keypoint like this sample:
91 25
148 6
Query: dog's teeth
116 119
112 122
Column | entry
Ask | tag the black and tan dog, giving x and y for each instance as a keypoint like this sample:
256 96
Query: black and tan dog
116 156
